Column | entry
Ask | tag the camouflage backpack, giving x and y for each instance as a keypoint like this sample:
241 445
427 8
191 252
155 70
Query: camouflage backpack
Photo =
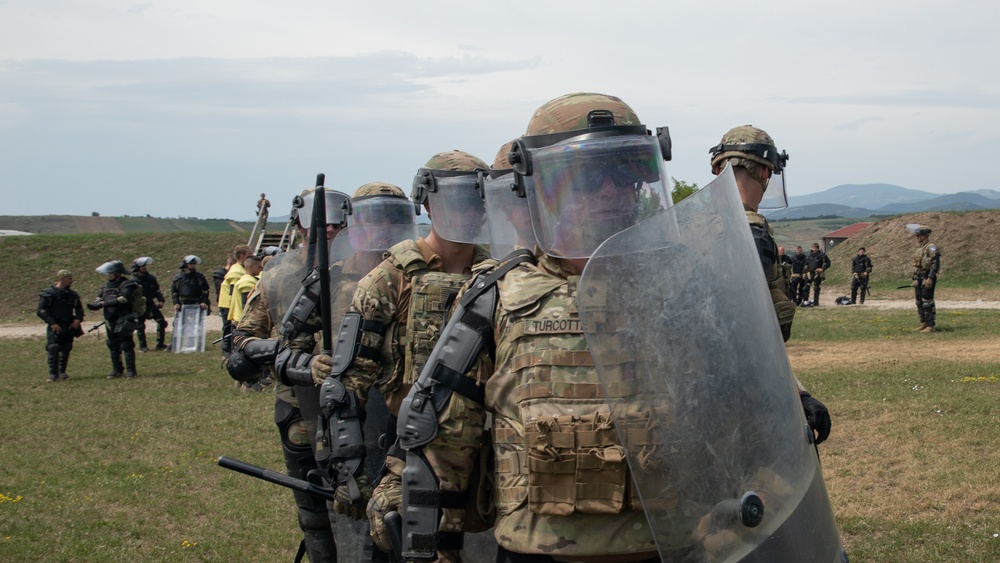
138 300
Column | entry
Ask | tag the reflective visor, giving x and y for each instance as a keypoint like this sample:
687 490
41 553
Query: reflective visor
336 210
457 210
507 215
379 222
775 197
584 191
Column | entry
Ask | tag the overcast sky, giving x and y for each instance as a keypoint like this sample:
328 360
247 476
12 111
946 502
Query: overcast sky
193 108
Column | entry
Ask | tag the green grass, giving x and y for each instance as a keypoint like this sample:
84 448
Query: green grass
32 262
99 470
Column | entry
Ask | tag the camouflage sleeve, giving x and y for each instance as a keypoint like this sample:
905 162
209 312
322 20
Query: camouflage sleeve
455 455
376 299
256 320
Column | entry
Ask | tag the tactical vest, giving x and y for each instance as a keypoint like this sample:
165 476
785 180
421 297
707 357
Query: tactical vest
559 451
431 293
924 258
777 277
111 293
60 303
188 288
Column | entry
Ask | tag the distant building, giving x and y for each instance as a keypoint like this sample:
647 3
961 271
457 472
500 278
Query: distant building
834 238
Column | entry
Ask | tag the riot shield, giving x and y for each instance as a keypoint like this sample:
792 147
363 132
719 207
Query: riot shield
691 359
189 330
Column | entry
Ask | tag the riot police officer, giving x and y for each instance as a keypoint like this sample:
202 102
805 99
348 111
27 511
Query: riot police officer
61 309
119 298
189 286
800 289
817 263
154 302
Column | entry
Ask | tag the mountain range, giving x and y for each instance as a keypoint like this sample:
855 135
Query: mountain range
867 200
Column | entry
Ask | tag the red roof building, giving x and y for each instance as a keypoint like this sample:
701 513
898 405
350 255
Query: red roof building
834 238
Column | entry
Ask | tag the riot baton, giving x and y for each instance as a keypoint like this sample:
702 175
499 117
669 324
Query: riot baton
323 257
394 525
276 478
97 326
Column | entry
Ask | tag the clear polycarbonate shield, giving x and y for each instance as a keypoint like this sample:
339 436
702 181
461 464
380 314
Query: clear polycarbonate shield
280 281
691 359
378 222
507 215
336 208
775 196
585 190
188 330
457 210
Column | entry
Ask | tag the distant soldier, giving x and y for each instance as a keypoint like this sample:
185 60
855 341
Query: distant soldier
861 269
926 263
785 263
816 264
154 301
799 287
189 287
61 309
118 297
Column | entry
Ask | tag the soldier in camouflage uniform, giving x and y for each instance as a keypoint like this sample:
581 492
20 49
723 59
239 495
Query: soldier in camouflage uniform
256 329
405 296
926 263
755 160
543 371
61 309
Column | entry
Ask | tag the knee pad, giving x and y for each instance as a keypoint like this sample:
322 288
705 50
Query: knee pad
52 348
127 344
928 305
161 324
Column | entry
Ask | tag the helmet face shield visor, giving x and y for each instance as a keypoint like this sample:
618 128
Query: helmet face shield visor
583 191
336 208
775 197
507 215
111 267
457 210
378 222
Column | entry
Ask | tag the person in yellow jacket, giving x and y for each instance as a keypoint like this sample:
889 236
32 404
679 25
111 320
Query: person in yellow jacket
233 275
243 287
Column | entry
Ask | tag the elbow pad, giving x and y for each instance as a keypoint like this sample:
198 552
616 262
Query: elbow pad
245 364
293 367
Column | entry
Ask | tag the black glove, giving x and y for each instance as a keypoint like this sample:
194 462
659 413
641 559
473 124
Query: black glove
817 416
95 306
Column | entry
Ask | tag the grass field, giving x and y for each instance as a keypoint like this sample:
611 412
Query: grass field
98 470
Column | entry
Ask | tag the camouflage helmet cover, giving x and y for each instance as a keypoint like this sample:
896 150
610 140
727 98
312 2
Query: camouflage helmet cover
744 135
456 161
379 189
502 160
572 112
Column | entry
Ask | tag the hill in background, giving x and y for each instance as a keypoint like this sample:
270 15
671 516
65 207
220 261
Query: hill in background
31 263
73 224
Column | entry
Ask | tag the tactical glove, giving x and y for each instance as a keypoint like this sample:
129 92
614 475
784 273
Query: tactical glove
320 368
95 306
387 497
122 299
342 498
928 283
817 416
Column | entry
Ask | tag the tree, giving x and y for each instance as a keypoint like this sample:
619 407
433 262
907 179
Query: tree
682 190
94 214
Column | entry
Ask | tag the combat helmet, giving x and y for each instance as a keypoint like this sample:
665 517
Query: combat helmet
139 262
336 207
750 146
190 259
449 185
111 267
576 147
922 230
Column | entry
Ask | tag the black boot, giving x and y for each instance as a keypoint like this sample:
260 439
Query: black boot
161 332
816 300
130 364
117 369
63 362
141 334
53 358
